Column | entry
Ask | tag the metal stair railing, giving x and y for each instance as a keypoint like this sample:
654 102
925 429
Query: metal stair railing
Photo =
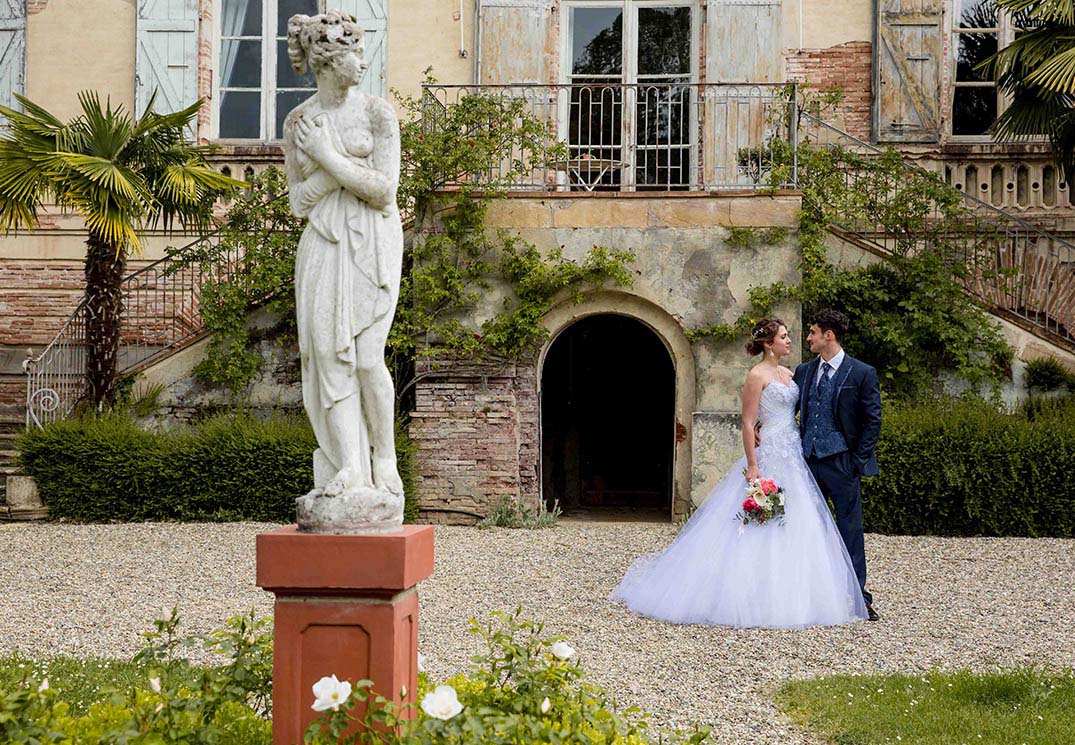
1016 269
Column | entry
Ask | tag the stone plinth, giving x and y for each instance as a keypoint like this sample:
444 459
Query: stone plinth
346 605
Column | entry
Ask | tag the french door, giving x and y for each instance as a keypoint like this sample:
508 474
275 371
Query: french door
629 108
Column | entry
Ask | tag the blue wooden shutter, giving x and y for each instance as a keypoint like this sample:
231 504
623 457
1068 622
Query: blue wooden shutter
12 51
514 36
167 58
372 15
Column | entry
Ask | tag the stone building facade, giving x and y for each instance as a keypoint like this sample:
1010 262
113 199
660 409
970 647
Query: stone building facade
513 430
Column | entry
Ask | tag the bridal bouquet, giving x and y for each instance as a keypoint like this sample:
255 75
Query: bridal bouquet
764 502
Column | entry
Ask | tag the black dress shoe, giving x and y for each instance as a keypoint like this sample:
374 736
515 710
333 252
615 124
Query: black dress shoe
871 613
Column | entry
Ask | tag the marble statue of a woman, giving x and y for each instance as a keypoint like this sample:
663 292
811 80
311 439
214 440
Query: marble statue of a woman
341 152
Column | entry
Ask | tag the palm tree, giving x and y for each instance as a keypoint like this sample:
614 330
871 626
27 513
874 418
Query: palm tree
1037 70
122 176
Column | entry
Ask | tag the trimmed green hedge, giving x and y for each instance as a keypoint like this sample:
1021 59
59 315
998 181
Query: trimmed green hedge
231 467
967 468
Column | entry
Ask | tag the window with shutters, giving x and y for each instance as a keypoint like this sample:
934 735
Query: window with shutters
12 52
979 29
255 85
631 65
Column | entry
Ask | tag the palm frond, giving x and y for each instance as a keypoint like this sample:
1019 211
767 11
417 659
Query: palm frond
1056 74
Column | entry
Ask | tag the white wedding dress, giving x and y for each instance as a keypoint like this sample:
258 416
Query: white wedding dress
781 575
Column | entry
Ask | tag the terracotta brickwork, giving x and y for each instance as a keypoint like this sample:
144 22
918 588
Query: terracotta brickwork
476 429
849 66
36 297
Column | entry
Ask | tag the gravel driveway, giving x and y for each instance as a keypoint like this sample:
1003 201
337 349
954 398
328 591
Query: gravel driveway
950 603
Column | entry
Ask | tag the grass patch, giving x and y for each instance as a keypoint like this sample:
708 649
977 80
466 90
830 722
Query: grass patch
83 682
1009 707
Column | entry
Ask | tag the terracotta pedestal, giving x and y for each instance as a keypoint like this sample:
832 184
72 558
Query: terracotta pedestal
346 605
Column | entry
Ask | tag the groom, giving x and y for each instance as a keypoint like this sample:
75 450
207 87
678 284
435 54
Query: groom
840 421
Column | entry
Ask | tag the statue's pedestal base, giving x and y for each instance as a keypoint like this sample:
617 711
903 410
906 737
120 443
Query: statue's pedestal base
346 605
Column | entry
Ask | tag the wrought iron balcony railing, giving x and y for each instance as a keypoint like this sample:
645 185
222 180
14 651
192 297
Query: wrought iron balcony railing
652 136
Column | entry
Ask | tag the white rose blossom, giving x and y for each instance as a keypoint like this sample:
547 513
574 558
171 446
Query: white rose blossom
329 693
562 650
155 684
44 686
442 703
546 705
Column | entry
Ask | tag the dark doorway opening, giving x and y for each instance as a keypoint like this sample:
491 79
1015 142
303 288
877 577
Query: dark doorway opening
608 420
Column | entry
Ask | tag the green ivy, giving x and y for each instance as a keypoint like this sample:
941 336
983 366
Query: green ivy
910 317
478 147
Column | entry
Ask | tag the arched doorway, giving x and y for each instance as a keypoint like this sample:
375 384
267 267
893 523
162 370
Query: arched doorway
608 397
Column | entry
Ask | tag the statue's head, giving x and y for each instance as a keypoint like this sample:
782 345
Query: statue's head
331 40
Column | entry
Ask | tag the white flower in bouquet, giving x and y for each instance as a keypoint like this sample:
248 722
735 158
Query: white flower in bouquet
546 705
562 650
442 703
329 693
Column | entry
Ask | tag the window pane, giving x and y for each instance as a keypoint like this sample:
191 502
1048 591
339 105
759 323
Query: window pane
240 18
285 102
240 114
977 14
973 110
974 49
596 41
664 41
286 77
287 8
240 64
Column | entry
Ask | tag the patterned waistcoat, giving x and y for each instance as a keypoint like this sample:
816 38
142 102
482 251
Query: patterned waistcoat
821 438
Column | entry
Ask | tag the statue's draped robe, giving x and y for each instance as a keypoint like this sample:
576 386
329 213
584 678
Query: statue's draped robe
344 285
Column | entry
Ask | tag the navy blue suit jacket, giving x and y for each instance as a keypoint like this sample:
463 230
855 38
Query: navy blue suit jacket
857 408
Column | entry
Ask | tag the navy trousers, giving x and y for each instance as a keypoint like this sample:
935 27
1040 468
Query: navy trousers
839 482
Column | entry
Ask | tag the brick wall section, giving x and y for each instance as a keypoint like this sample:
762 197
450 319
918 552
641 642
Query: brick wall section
476 432
848 65
36 298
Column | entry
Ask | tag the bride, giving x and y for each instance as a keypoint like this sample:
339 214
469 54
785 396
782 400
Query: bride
792 574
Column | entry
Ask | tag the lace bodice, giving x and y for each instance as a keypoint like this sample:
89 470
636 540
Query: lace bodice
776 412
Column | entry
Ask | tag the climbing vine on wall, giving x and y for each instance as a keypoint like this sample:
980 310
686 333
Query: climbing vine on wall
456 160
909 313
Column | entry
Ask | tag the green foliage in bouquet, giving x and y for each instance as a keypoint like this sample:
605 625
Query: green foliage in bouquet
523 688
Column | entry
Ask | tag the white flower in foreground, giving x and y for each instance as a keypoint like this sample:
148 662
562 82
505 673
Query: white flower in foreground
442 703
329 693
44 686
421 662
563 650
546 705
155 684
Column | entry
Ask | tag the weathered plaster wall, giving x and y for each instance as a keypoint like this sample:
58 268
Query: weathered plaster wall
425 33
687 276
80 45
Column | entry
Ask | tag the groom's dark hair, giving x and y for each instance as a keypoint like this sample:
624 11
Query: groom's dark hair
828 319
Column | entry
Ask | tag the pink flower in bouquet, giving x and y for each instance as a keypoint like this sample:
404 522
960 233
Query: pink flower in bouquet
750 505
768 486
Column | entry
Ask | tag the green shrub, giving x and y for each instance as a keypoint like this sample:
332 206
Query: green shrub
955 467
230 467
522 688
1047 374
169 701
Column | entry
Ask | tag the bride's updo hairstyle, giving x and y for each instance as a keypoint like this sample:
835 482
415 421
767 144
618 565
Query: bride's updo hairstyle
764 332
318 39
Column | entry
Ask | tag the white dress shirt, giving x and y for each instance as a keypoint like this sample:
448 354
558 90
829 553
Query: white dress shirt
834 363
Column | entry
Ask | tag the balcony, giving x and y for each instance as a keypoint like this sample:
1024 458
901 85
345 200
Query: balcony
646 137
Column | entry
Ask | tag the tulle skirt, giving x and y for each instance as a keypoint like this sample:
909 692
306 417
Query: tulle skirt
780 575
